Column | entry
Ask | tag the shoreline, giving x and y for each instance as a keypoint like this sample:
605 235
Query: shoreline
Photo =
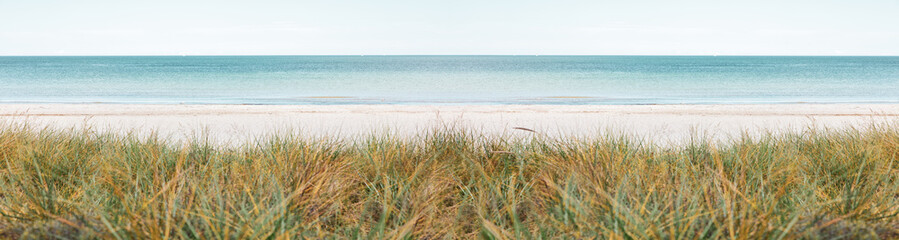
656 123
376 102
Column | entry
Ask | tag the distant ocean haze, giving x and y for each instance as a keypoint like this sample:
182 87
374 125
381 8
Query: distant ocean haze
449 79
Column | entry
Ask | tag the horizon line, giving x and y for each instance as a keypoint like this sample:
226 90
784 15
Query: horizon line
424 55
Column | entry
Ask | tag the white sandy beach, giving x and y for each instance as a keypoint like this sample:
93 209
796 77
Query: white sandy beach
241 123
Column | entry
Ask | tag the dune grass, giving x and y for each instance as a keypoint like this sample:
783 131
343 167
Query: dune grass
449 184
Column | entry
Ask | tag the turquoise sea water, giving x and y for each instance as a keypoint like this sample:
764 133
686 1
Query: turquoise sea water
449 79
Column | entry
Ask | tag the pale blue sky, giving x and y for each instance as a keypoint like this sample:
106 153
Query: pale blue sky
166 27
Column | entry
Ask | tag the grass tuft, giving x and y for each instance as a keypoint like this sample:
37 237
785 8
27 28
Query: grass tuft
449 184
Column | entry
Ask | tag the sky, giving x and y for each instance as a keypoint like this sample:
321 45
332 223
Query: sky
432 27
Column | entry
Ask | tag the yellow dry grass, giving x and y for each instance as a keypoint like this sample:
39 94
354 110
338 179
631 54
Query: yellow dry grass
449 184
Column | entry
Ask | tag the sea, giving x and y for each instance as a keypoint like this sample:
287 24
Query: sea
450 80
